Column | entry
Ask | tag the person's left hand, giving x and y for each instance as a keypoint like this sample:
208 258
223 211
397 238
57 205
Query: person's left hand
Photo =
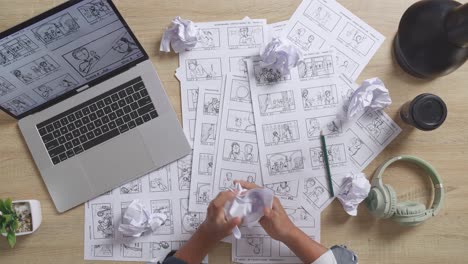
216 226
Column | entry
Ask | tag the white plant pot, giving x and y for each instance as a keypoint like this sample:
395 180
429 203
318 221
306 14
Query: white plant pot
36 215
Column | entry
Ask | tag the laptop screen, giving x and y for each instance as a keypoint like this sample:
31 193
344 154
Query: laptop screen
50 56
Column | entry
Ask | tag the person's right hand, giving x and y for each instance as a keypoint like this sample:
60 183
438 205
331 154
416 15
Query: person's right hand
275 221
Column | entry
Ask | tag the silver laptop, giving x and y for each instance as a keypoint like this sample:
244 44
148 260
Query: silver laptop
90 104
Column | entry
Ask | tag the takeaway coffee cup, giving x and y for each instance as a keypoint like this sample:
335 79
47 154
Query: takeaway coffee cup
425 112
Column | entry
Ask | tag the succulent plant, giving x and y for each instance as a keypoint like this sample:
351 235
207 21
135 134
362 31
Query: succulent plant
8 221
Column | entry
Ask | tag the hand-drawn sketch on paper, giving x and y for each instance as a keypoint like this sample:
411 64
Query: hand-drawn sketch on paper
237 64
131 187
336 155
245 37
305 38
56 29
5 87
184 172
95 11
288 190
160 180
280 133
328 125
376 125
254 246
300 217
264 76
211 104
316 192
35 69
319 97
240 121
276 103
345 64
323 16
56 87
203 69
285 162
356 40
190 220
203 193
205 166
103 250
208 134
228 176
134 250
240 151
163 206
192 128
357 149
192 99
15 49
240 91
102 216
19 104
208 39
316 67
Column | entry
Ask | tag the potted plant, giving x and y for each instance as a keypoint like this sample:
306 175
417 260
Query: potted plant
19 218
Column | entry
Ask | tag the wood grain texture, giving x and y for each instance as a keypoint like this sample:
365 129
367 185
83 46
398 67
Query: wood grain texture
441 239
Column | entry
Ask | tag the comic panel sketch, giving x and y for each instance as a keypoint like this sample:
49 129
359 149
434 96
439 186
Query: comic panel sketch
276 103
238 64
192 99
264 76
133 250
346 94
56 29
105 250
56 87
240 91
95 11
113 48
240 121
211 104
35 69
245 37
5 87
374 123
228 176
203 193
358 151
253 246
285 162
240 151
316 192
159 248
208 39
319 97
305 38
103 226
160 180
192 128
322 15
315 67
280 133
208 134
163 207
336 155
131 187
190 220
203 69
285 189
327 125
345 64
356 40
184 172
19 104
205 165
300 217
16 49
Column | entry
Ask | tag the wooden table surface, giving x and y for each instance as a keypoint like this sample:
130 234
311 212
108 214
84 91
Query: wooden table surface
441 239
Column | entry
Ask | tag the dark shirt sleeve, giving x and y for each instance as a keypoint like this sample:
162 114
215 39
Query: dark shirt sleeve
170 259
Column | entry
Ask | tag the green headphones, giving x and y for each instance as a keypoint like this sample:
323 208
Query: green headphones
382 199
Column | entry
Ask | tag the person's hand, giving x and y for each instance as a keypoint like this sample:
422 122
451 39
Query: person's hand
275 221
216 226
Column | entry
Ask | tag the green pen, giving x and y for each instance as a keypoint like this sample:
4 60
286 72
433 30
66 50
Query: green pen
327 165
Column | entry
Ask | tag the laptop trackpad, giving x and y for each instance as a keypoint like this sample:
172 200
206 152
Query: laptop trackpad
118 161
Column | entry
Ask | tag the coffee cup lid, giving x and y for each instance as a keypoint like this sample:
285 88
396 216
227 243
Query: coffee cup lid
429 111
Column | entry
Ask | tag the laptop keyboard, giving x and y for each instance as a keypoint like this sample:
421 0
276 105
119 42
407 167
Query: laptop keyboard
97 120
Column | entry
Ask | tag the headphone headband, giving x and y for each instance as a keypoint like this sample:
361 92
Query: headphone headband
435 178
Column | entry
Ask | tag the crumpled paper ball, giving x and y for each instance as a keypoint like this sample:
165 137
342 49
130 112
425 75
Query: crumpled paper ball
280 55
181 36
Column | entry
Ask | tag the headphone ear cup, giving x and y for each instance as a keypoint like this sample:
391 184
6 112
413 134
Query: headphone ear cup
392 200
375 202
409 208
